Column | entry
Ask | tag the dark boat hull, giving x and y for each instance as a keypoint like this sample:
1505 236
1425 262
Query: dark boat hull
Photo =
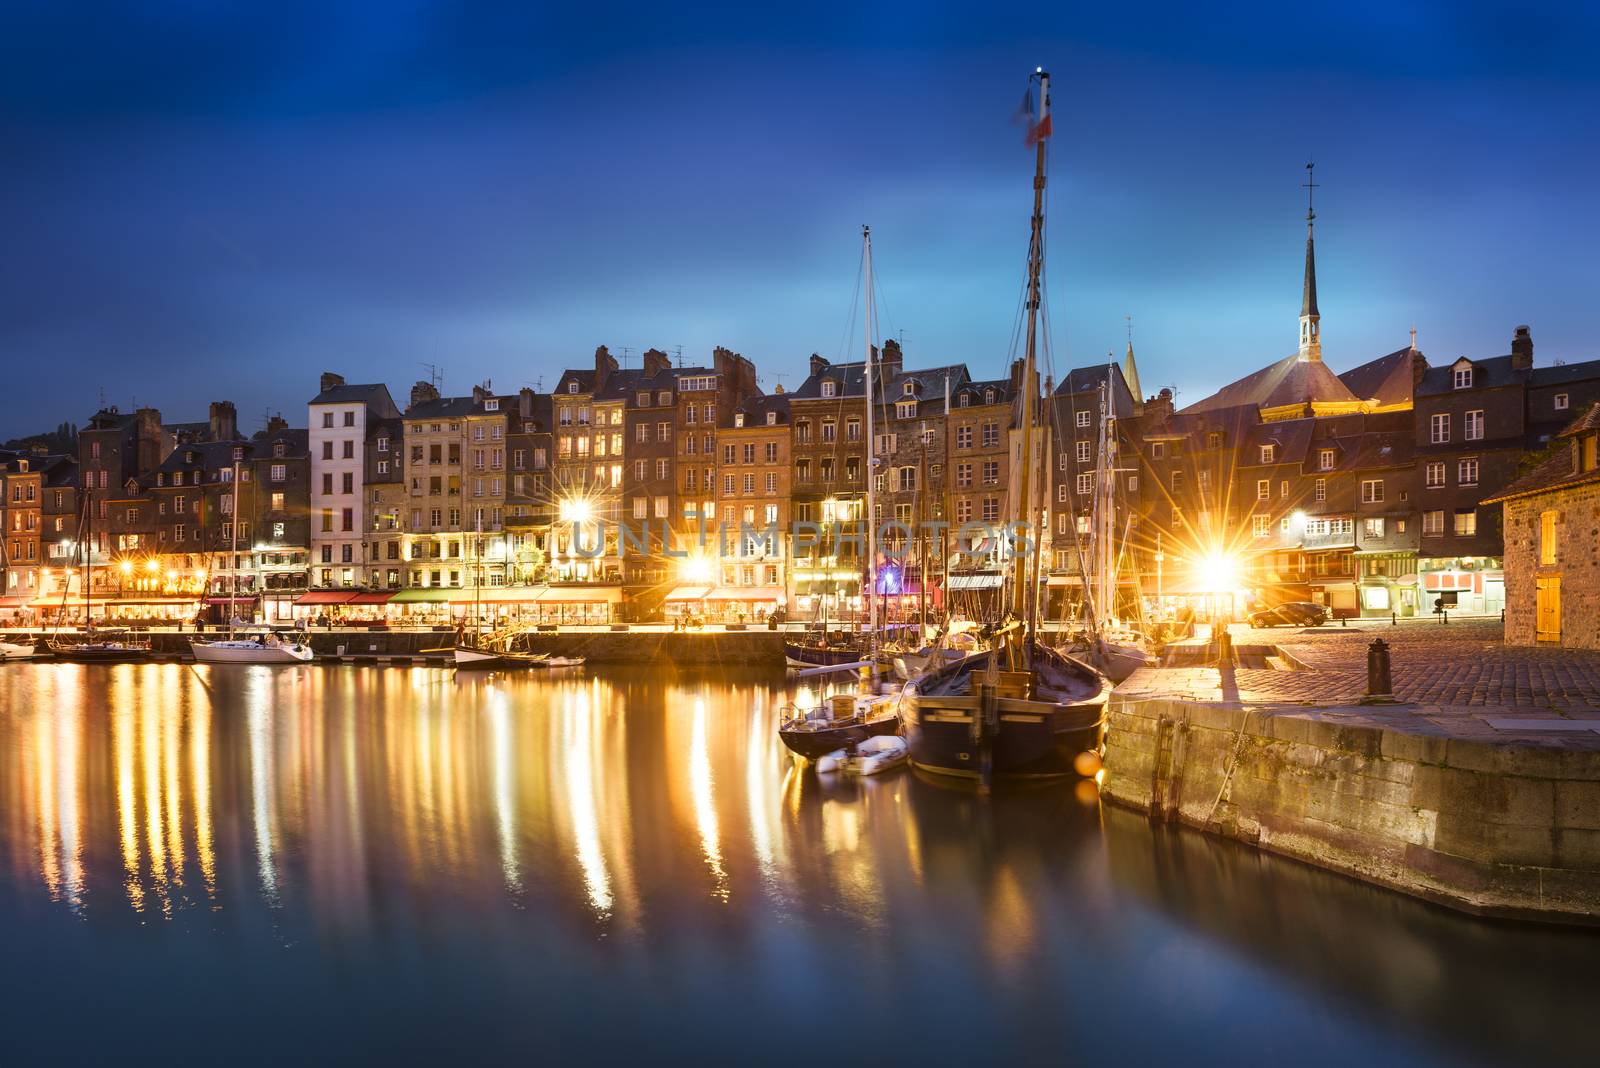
1017 737
804 656
812 744
100 656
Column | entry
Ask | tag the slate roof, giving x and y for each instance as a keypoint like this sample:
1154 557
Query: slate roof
369 393
755 409
851 376
444 408
1289 381
1491 373
1559 471
1386 380
1560 374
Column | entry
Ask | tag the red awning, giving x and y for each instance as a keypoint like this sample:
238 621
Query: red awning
326 597
370 598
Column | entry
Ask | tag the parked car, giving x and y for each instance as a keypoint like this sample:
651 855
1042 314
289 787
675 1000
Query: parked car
1291 614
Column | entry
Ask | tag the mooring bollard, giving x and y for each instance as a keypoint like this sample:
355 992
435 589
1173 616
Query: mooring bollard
1224 648
1394 619
1379 679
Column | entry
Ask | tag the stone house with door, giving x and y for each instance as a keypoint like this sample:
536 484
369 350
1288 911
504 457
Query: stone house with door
1551 518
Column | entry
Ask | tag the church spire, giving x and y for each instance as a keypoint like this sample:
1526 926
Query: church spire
1130 370
1310 318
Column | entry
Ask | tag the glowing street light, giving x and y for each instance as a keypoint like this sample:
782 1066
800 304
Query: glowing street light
1219 573
576 510
126 567
696 569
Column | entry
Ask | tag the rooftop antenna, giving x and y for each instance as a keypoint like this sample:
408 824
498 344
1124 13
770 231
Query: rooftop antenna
435 375
679 351
627 350
1129 319
1413 337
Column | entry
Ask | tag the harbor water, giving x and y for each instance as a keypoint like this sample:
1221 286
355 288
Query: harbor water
248 864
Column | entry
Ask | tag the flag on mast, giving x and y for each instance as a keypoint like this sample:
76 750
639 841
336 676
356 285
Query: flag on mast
1038 128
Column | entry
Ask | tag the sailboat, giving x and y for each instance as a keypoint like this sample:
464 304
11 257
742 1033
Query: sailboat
848 719
1020 708
492 651
92 646
17 650
263 649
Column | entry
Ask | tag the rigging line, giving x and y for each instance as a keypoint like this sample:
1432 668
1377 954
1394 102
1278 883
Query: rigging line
847 338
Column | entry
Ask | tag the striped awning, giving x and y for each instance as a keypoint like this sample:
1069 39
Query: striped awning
975 582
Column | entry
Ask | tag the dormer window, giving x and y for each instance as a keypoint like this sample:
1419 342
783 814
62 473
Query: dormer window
1588 455
492 404
964 400
188 457
1325 460
738 419
1269 454
772 418
238 454
988 396
828 386
909 388
664 398
1461 376
572 387
642 399
906 409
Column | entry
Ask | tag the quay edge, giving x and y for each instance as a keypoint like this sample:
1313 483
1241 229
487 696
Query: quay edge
1494 828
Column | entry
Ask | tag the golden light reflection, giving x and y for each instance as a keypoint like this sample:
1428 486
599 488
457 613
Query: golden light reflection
579 728
705 805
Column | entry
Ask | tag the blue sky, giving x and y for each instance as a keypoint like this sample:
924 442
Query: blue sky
202 203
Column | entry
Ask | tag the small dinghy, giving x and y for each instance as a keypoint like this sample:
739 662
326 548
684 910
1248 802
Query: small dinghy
554 662
874 756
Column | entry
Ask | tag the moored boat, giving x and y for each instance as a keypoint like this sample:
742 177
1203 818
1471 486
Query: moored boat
98 647
843 720
266 649
18 650
874 756
479 658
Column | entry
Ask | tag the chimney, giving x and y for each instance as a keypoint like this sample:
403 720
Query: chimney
276 424
478 394
818 364
1522 349
655 362
147 440
330 381
421 393
891 359
224 421
1159 407
1016 376
525 402
605 365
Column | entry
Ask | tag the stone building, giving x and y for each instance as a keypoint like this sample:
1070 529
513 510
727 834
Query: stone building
530 500
1550 516
22 559
750 574
1075 410
911 461
455 477
828 414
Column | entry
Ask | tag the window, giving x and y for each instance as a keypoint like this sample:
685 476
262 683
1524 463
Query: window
1461 378
991 472
1177 482
963 475
1283 490
1466 522
1433 475
1081 452
572 387
1439 428
1086 483
830 430
1325 460
1372 527
1547 536
852 430
1261 525
1269 453
1561 402
828 386
1474 426
1081 418
1433 522
1158 449
906 409
963 437
1264 489
1467 471
1372 491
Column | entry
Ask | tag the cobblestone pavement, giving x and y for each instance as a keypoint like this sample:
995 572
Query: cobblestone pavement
1457 679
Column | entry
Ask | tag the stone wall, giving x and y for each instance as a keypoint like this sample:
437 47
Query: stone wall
1577 562
1500 829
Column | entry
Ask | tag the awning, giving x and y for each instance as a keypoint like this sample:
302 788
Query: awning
421 595
1064 580
688 593
513 594
243 599
12 602
746 593
326 597
172 601
582 595
975 582
370 598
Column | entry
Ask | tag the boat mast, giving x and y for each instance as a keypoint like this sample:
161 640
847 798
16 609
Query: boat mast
872 456
233 552
1023 496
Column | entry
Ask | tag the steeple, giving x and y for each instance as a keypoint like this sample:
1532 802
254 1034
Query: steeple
1310 318
1130 370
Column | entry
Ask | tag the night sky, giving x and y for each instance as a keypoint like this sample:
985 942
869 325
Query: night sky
198 203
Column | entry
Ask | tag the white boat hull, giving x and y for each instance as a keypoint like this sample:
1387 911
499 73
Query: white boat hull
250 652
13 651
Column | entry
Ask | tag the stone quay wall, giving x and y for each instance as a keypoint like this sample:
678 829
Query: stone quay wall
1493 828
744 648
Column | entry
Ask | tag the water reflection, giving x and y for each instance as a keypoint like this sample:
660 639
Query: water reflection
646 838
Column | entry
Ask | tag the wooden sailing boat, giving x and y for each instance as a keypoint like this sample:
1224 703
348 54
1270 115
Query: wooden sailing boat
1020 708
848 719
263 649
103 646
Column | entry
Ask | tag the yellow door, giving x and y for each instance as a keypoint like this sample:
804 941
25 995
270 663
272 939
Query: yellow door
1547 608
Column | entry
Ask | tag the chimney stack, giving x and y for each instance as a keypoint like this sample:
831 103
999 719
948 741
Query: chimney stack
655 362
1522 349
224 421
276 424
605 365
421 393
818 364
330 381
